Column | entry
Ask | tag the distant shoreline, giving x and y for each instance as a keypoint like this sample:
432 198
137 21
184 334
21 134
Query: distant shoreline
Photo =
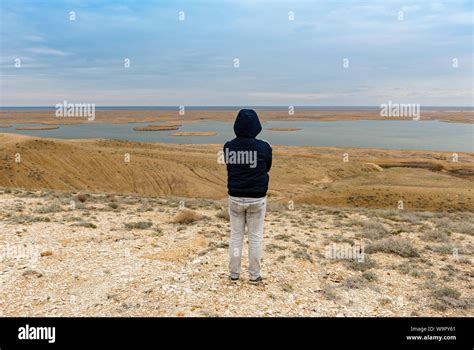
231 108
173 116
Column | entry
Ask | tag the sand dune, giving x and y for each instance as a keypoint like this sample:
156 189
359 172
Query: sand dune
371 178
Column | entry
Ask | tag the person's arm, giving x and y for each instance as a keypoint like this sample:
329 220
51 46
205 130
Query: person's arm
223 149
269 158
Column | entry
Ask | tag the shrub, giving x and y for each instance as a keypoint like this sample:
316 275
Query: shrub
444 291
86 224
52 208
443 249
272 248
396 246
373 230
81 198
435 235
113 205
186 216
364 265
223 214
355 282
140 225
369 276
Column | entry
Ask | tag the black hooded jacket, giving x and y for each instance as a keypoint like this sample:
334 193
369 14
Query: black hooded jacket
248 159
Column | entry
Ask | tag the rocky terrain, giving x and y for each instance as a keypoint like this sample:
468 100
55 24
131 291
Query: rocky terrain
71 253
104 227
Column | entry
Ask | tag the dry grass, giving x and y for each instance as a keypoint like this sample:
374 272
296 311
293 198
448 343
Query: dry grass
373 230
86 224
301 253
448 297
435 235
355 282
272 248
444 249
391 245
50 208
140 225
223 214
186 216
366 264
453 225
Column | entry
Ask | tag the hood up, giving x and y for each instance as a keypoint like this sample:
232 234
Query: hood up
247 124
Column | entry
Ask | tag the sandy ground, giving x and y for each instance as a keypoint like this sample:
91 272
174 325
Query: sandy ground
190 116
373 178
87 227
65 254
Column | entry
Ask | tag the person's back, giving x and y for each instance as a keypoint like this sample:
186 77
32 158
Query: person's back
248 162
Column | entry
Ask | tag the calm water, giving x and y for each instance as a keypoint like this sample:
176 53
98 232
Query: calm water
237 108
396 134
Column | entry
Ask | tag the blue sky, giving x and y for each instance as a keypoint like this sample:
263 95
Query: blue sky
191 62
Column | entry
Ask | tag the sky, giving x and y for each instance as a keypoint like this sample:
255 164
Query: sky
344 53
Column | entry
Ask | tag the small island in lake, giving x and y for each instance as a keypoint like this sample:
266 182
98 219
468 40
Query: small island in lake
157 128
42 127
195 133
284 129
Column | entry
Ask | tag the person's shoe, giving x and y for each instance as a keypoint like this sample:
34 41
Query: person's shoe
257 280
233 278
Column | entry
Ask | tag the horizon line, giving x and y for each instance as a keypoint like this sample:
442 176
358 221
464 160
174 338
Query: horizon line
238 106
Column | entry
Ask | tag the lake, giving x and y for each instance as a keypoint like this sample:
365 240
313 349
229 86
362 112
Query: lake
390 134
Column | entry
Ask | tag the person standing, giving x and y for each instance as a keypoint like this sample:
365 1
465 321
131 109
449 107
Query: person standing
248 162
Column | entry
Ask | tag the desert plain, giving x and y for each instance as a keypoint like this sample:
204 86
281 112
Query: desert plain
103 227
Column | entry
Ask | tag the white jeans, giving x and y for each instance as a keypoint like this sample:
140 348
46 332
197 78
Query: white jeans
250 211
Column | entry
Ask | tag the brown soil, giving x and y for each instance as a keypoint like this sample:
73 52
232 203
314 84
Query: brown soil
372 178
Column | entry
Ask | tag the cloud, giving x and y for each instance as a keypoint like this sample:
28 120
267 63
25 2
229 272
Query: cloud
281 60
47 51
